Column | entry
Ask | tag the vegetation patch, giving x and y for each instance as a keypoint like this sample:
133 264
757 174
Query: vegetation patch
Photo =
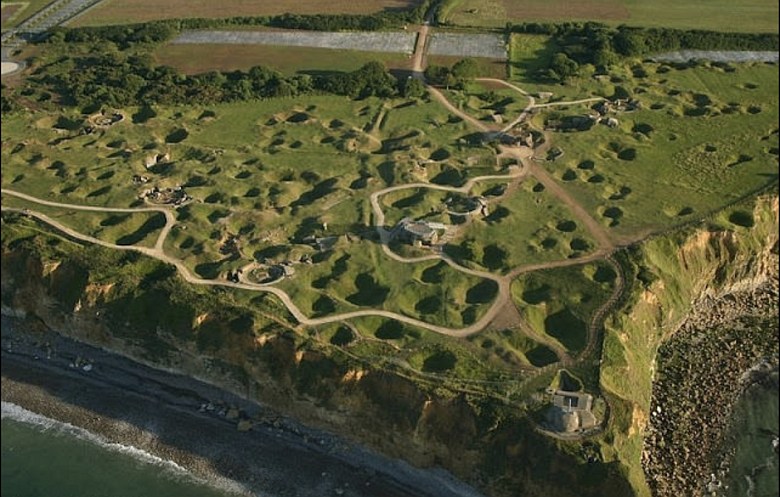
560 302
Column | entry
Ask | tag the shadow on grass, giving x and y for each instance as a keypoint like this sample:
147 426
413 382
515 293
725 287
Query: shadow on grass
369 291
567 328
156 222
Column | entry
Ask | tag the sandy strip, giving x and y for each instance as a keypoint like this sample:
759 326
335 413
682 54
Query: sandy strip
9 67
128 403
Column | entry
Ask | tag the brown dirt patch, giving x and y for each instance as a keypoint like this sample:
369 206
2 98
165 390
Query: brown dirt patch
507 317
606 10
8 11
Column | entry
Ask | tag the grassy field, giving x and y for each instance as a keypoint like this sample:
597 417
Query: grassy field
195 59
704 137
481 363
717 15
525 227
130 11
268 173
119 228
14 13
560 302
358 275
484 100
511 346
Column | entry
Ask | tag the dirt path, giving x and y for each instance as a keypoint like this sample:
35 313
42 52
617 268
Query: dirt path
438 95
594 227
503 297
159 254
571 102
418 59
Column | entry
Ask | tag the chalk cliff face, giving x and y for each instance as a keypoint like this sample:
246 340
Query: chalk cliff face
480 440
680 278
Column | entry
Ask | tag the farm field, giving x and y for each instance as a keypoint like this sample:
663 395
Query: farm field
719 15
14 13
130 11
200 58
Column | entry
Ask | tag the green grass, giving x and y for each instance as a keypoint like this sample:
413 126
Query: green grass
359 275
717 15
560 302
526 226
196 59
486 68
407 349
666 164
120 228
511 348
482 100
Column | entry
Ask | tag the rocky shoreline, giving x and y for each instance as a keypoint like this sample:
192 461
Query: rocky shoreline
725 346
214 434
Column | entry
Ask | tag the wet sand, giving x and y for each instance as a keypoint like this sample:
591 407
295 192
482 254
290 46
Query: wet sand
186 421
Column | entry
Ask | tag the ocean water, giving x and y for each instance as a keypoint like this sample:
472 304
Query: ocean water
42 457
755 471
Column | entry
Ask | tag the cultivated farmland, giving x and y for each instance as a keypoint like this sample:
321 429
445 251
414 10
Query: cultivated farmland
130 11
374 42
719 15
15 13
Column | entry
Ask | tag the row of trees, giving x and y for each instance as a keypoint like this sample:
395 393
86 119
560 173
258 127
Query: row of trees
603 46
455 76
632 41
161 31
118 79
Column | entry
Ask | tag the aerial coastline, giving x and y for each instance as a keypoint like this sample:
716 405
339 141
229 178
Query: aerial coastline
187 422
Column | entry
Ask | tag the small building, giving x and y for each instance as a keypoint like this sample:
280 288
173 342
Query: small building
414 232
571 412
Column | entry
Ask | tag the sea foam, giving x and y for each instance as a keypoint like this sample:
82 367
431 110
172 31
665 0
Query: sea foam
13 412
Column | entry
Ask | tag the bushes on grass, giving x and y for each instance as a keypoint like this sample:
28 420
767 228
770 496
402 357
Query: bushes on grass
602 46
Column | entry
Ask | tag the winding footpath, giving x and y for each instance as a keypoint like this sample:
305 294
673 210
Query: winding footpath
503 296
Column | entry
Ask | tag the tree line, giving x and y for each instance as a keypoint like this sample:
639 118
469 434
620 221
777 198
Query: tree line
118 78
161 31
602 45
